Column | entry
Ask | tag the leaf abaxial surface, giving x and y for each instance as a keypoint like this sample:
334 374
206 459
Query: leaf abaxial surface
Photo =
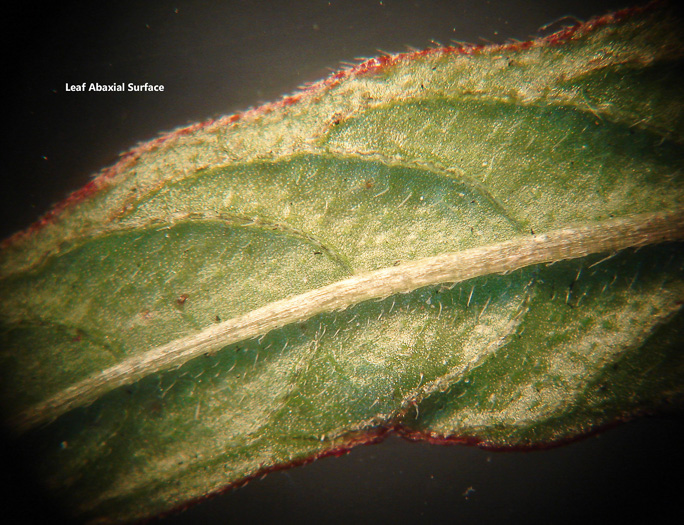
479 245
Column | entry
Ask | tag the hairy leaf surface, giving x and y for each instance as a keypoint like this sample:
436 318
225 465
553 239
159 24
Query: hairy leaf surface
477 244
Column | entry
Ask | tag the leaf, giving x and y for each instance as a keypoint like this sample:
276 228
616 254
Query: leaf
478 245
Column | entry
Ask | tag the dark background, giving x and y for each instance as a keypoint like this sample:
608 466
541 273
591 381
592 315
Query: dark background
216 58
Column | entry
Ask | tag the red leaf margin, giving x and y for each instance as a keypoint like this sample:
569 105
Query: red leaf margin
108 176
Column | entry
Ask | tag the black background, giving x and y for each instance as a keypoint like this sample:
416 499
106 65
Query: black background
216 58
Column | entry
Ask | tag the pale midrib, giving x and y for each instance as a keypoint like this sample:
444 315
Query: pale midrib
570 243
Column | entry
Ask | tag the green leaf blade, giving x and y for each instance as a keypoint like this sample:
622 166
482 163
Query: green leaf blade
479 246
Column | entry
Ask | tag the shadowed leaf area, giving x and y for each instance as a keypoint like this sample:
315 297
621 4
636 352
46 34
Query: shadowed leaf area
395 162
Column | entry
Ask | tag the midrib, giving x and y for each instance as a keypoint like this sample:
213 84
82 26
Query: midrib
558 245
